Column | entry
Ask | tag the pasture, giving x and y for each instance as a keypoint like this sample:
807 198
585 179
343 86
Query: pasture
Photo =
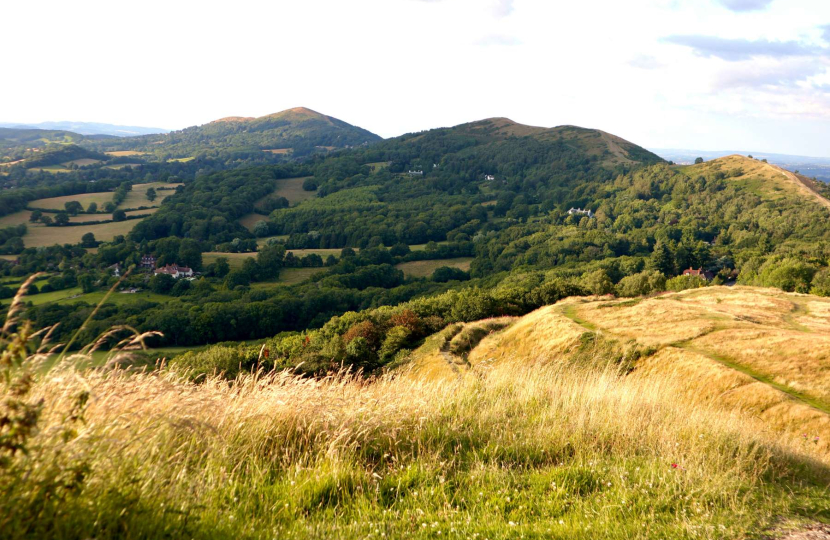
57 203
138 196
291 189
40 235
426 268
125 153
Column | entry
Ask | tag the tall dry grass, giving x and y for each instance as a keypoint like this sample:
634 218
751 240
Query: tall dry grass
543 451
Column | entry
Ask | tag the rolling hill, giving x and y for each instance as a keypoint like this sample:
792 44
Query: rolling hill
758 351
298 131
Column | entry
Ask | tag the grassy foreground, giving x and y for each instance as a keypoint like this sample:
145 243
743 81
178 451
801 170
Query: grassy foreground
535 452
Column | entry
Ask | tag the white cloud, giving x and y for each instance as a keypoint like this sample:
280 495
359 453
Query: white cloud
746 5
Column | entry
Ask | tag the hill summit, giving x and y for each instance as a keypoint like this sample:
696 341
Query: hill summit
297 131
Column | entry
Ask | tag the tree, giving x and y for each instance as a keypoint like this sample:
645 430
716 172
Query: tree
698 161
261 229
190 254
162 283
35 216
73 208
662 259
151 194
269 261
88 240
109 207
448 273
309 184
61 218
221 267
399 250
92 208
237 278
87 283
46 220
598 282
119 215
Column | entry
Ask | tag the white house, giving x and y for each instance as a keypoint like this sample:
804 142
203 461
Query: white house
174 270
489 177
580 211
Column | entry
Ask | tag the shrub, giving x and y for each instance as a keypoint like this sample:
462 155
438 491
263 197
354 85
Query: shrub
396 339
681 283
641 284
597 282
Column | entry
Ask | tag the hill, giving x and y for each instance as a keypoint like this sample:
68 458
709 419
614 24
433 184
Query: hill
90 128
297 131
764 179
758 351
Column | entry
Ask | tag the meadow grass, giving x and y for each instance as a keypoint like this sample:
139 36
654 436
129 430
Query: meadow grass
540 453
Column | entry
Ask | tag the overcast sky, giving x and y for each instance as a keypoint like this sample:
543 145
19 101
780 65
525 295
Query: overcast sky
702 74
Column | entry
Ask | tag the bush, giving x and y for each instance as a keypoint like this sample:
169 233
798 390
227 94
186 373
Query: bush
396 339
642 284
821 283
448 273
598 283
681 283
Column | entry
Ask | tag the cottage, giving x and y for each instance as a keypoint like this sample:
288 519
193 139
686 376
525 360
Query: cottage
116 269
700 272
580 212
416 173
148 261
489 177
174 270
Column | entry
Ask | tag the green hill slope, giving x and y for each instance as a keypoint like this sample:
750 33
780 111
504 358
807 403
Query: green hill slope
297 131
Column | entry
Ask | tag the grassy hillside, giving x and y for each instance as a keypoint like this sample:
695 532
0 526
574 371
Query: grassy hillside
558 431
758 351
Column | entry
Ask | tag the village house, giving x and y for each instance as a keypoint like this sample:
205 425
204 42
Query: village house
705 274
416 173
489 177
116 269
148 261
580 211
174 270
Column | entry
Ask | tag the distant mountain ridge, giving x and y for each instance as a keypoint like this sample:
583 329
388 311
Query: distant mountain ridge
89 128
812 166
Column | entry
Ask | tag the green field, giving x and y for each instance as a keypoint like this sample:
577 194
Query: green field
137 197
291 189
289 276
426 268
57 203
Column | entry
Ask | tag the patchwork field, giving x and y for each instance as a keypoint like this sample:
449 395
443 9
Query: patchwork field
426 268
249 221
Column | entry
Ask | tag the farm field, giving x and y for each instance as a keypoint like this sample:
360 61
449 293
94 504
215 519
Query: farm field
137 197
122 165
288 276
291 189
264 241
83 162
57 203
235 260
40 235
426 268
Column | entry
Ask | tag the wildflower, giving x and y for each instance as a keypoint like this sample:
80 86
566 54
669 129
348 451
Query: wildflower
674 465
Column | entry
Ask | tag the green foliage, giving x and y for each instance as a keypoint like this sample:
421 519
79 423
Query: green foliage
162 283
641 284
681 283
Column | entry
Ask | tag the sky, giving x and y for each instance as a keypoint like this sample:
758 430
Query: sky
701 74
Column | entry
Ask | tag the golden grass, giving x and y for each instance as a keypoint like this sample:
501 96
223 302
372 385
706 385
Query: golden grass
738 348
40 235
426 268
82 162
284 455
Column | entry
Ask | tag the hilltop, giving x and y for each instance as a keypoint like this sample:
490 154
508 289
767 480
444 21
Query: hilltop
766 180
759 351
298 132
